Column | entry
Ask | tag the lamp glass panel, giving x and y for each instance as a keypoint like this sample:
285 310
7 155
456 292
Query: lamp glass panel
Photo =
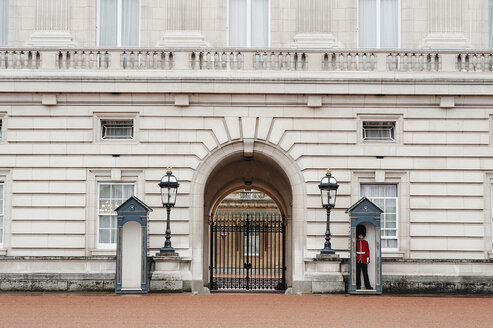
325 197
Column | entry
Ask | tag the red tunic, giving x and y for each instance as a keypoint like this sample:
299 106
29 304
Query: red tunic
362 251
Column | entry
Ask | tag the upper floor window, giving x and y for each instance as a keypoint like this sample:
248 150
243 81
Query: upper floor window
117 129
4 22
378 131
1 212
490 23
378 23
385 197
119 22
249 23
111 195
1 129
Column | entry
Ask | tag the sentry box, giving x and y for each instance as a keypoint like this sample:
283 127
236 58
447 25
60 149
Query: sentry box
132 265
365 221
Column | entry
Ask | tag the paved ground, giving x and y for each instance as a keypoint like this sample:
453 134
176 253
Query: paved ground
242 310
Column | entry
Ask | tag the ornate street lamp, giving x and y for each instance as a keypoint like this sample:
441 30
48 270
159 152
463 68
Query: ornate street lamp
328 191
169 187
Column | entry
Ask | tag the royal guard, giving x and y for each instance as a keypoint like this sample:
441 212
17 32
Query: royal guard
362 259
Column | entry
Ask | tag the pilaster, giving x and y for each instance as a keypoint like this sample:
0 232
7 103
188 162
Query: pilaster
52 24
183 24
445 25
314 25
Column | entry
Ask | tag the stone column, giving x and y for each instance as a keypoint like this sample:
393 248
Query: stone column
445 25
52 24
183 24
314 25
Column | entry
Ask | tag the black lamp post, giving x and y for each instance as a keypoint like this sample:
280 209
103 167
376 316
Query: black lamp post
328 191
169 187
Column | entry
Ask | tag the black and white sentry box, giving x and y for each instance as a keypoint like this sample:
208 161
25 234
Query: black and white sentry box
365 219
132 265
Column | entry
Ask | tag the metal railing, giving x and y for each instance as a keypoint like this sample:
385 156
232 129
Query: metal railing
247 251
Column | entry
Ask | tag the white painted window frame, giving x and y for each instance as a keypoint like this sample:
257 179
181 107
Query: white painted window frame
98 117
249 23
398 127
113 214
104 127
392 130
95 176
395 177
119 23
378 22
382 228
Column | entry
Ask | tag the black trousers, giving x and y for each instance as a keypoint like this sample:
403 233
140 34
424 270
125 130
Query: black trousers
364 267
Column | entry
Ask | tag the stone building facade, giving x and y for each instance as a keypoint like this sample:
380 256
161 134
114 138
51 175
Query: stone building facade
98 97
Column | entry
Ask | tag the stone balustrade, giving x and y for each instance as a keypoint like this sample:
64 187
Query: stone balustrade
360 60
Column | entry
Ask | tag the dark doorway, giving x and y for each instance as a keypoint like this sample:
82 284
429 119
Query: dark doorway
247 243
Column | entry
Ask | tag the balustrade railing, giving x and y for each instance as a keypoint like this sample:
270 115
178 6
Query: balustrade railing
475 62
349 61
334 60
147 60
19 59
82 59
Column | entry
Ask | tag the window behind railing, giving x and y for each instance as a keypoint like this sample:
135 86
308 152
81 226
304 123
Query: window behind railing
249 23
378 23
119 23
4 22
490 23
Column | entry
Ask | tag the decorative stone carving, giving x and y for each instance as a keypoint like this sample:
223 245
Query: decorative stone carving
183 24
445 25
52 24
314 25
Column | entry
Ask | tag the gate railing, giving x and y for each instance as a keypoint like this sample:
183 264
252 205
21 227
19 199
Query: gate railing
247 251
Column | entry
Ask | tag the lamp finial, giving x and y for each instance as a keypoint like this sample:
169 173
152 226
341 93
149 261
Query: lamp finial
328 170
169 168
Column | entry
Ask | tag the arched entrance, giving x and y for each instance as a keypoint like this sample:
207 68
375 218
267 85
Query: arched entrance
243 270
247 243
271 171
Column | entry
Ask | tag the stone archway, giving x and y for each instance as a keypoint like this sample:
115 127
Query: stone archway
269 170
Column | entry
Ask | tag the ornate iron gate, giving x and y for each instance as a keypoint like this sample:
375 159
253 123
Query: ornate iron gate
247 251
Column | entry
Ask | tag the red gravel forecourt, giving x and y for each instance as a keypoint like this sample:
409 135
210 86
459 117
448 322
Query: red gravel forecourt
242 310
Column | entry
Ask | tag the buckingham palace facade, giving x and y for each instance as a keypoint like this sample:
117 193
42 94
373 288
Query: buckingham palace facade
99 97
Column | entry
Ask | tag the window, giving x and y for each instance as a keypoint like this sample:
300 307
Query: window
117 129
2 198
490 23
253 240
4 22
1 129
385 197
119 22
378 131
111 195
249 23
378 23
